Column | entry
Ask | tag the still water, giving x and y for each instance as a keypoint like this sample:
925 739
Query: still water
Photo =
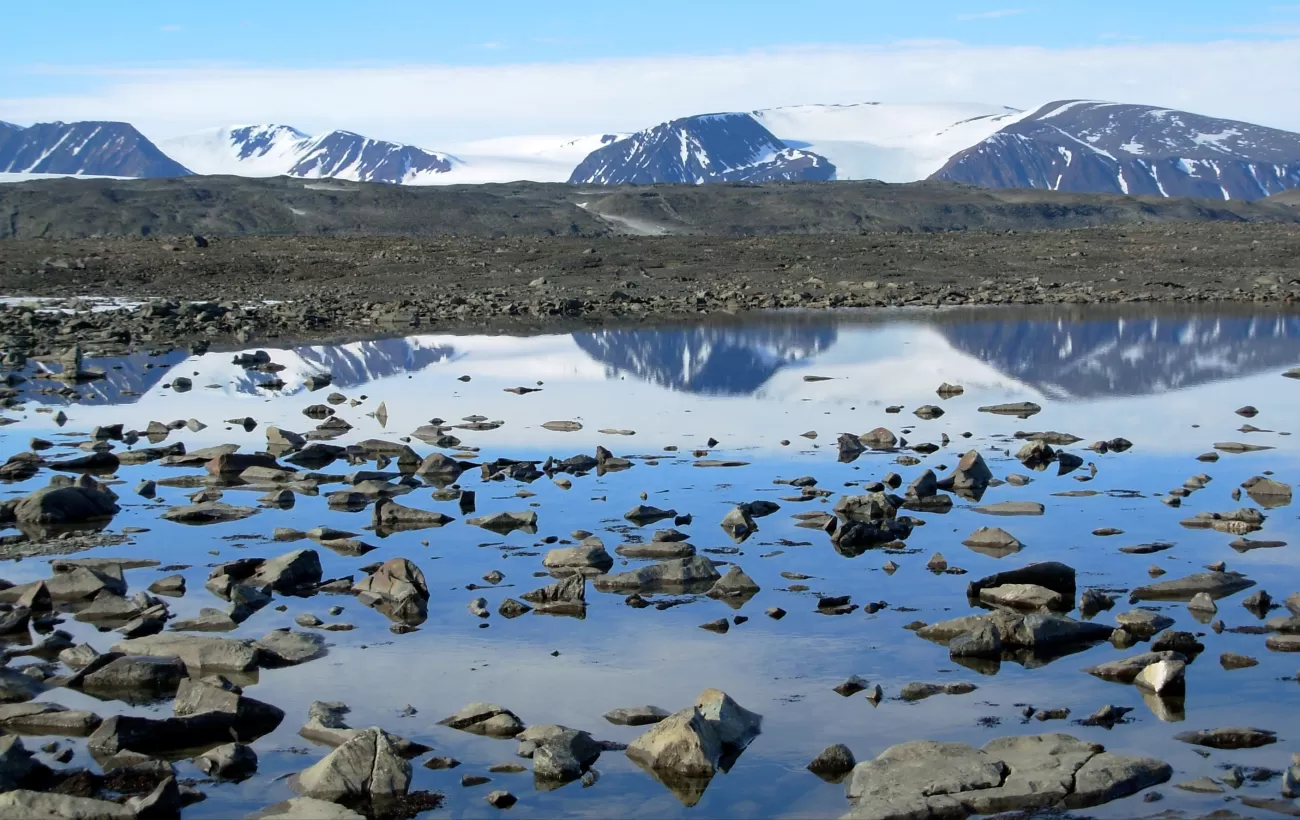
1167 381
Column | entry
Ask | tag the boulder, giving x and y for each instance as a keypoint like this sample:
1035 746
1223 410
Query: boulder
365 768
1214 584
739 525
65 502
971 476
30 805
233 761
505 523
485 719
285 647
833 764
560 754
683 745
199 652
162 737
1024 596
993 542
587 558
47 719
18 767
1126 670
15 687
390 516
1051 575
134 675
249 718
636 716
1164 678
207 512
1234 737
926 779
397 588
682 574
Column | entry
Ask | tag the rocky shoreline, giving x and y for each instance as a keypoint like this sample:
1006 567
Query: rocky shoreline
240 291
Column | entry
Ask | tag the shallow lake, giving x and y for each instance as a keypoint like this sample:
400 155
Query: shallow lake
1169 381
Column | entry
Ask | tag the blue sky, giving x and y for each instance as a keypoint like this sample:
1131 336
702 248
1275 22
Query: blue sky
254 60
328 32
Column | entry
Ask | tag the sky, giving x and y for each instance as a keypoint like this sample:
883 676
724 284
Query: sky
442 73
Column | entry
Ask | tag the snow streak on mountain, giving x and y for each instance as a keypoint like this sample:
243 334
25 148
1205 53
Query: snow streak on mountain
1084 146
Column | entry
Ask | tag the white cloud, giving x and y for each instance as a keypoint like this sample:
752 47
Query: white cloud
997 14
440 105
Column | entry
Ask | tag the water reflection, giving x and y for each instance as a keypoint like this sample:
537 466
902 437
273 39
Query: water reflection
1169 383
1060 353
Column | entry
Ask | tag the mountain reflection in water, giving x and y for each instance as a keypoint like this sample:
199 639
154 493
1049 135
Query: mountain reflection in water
1060 352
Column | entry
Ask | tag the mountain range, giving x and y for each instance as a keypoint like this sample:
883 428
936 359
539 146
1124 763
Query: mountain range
1074 145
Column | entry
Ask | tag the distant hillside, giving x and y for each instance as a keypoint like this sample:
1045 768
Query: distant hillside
283 206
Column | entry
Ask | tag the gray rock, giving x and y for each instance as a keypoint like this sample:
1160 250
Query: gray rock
198 652
66 502
833 764
925 779
993 542
306 808
734 584
672 575
1216 585
506 522
284 647
30 805
920 691
1144 623
47 719
1024 596
739 525
1127 669
588 558
1164 678
681 746
1052 575
1234 737
636 716
398 589
366 767
981 642
207 512
389 515
485 719
134 675
15 687
657 550
560 754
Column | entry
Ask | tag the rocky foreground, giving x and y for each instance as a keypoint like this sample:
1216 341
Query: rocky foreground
1023 617
188 290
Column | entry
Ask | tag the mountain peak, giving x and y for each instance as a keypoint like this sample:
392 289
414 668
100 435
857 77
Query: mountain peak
90 148
1124 148
721 147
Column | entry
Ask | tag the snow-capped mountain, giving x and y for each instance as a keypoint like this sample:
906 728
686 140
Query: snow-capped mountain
700 149
275 150
1080 145
92 148
532 158
891 142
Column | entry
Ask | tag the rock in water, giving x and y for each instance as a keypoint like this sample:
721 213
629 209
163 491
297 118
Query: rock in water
365 767
833 764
